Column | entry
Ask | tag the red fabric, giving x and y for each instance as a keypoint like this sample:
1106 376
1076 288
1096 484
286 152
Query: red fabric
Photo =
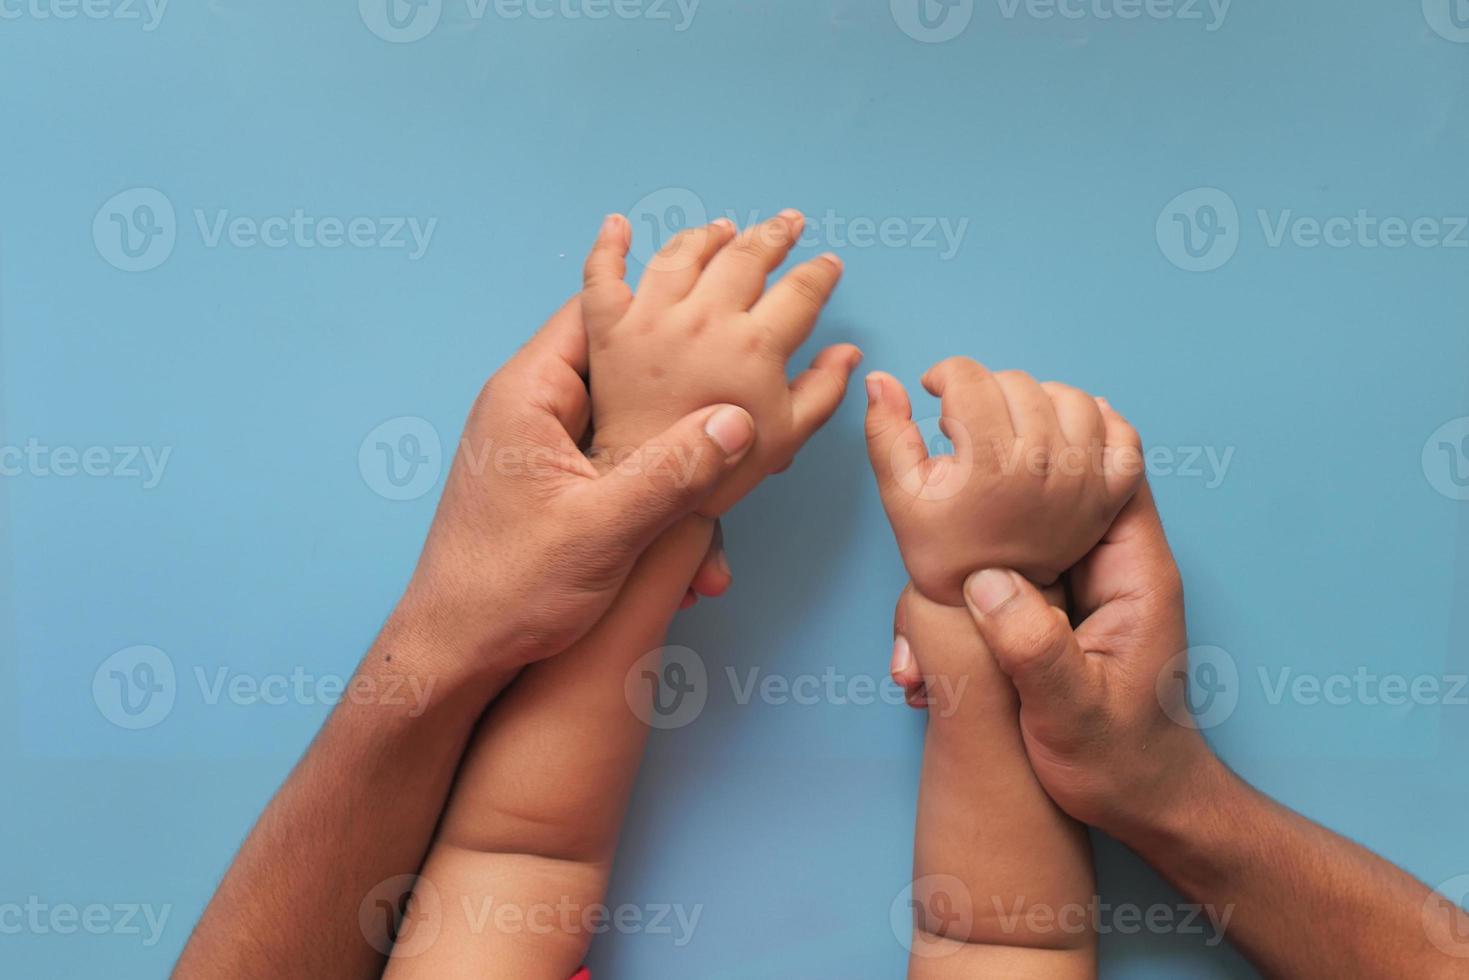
583 974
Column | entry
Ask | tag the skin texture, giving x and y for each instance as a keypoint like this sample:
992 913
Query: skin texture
703 326
995 861
1037 473
533 822
530 546
1098 710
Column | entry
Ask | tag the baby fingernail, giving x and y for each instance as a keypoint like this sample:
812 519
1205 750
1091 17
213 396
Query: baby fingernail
732 430
990 589
902 656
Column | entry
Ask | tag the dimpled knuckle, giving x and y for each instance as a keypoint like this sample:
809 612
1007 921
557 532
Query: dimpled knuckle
749 246
808 284
956 366
1015 376
684 239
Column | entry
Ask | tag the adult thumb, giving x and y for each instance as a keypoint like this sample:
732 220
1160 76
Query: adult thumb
1031 639
669 476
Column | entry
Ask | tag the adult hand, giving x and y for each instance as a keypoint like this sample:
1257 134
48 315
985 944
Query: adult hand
1103 711
531 542
1108 732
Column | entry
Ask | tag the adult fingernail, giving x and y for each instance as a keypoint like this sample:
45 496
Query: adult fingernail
990 589
902 656
732 430
724 223
611 223
874 388
722 560
833 258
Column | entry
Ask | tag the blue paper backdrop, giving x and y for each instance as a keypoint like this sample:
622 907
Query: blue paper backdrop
1244 223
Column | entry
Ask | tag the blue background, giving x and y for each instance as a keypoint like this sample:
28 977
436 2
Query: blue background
264 549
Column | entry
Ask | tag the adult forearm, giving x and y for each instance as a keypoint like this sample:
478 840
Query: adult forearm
1297 899
312 890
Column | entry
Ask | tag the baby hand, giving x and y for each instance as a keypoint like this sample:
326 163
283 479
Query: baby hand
701 330
1037 474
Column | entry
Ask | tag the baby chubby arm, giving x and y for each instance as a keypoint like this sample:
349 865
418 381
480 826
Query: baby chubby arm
527 843
1002 878
523 856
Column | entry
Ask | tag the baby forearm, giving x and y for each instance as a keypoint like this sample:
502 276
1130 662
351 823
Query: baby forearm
554 760
997 866
523 855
